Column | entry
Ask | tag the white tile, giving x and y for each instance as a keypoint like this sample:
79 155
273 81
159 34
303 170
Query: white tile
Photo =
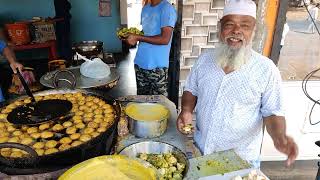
184 73
213 37
188 12
189 61
200 40
197 18
202 6
186 44
210 20
197 30
217 4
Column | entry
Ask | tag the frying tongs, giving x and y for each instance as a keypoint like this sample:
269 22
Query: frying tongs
38 112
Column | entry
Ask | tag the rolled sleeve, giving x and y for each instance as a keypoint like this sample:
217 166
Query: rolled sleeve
272 98
2 46
168 17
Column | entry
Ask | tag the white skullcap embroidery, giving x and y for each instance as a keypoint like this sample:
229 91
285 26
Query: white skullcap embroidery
240 7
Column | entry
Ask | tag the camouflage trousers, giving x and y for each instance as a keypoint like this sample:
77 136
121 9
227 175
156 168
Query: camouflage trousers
152 82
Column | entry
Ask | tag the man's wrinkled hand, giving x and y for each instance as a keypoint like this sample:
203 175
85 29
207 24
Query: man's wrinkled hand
184 123
287 146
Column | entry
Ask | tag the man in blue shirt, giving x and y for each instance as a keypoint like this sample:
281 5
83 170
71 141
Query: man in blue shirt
158 18
9 55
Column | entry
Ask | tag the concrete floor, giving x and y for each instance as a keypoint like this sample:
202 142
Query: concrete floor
301 170
301 52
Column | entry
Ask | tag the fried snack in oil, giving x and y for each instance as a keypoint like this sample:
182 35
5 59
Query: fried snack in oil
14 140
80 126
40 152
4 139
98 120
98 111
85 137
65 140
51 151
24 128
88 130
106 106
4 134
89 104
57 127
94 107
27 141
76 117
6 153
98 116
17 133
76 143
95 134
88 115
87 120
35 135
51 144
16 154
10 128
71 130
67 124
77 121
32 130
79 113
46 134
63 147
38 145
2 124
101 129
75 136
44 126
104 124
93 125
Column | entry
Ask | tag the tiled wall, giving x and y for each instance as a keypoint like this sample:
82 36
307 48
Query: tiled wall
199 31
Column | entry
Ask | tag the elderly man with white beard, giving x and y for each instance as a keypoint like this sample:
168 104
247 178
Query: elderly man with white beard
234 91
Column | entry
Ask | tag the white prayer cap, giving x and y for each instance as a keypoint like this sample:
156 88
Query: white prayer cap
240 7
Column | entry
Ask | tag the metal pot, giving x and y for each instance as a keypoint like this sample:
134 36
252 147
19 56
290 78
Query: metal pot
147 128
88 46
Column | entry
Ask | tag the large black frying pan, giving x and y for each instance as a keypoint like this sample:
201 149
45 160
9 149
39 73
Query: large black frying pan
97 146
39 112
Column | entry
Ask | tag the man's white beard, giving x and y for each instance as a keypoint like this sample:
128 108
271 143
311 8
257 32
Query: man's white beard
233 58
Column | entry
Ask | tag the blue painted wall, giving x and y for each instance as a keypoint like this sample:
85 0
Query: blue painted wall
85 23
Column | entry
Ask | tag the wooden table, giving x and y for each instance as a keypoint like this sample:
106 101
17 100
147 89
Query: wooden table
51 45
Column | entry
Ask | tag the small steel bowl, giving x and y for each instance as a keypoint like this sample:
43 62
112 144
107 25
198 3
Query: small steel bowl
147 128
155 147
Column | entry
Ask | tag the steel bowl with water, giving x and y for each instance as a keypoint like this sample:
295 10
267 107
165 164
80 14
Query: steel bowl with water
155 147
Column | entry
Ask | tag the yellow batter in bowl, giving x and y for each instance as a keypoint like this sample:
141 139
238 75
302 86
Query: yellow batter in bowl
113 167
147 111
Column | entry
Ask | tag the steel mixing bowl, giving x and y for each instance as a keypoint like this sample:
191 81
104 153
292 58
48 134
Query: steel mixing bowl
155 147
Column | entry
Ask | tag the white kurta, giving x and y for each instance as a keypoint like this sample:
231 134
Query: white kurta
230 106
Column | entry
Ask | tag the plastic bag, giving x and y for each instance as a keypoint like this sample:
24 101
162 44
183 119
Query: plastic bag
95 68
